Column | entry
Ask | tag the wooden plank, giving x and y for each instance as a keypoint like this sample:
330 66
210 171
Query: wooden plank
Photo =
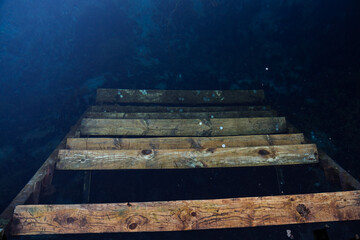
182 127
187 115
180 96
182 142
187 214
173 109
187 158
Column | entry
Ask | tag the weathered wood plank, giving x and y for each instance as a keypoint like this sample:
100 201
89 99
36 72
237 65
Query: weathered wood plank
187 158
187 115
180 96
183 127
173 109
186 215
182 142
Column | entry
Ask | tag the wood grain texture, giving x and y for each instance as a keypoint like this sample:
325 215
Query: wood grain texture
182 142
173 109
183 127
186 158
186 215
186 115
180 96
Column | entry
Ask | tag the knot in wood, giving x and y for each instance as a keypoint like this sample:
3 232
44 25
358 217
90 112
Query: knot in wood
136 221
132 226
83 222
70 220
210 150
146 152
188 217
264 152
303 210
185 214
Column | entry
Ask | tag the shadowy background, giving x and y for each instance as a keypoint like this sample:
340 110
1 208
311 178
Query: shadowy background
54 54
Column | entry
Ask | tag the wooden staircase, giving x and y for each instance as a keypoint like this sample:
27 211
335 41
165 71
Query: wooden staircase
175 129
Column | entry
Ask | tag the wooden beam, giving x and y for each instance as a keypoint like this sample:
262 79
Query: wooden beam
41 179
183 127
187 214
3 227
86 187
187 158
187 115
192 97
334 173
182 142
173 109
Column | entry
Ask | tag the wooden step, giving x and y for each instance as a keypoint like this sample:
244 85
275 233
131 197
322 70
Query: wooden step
173 109
183 127
182 142
192 97
187 158
187 214
188 115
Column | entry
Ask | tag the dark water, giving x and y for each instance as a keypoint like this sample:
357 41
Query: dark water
54 54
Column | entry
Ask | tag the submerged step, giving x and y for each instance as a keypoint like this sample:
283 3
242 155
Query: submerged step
187 158
180 96
183 127
183 142
186 215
